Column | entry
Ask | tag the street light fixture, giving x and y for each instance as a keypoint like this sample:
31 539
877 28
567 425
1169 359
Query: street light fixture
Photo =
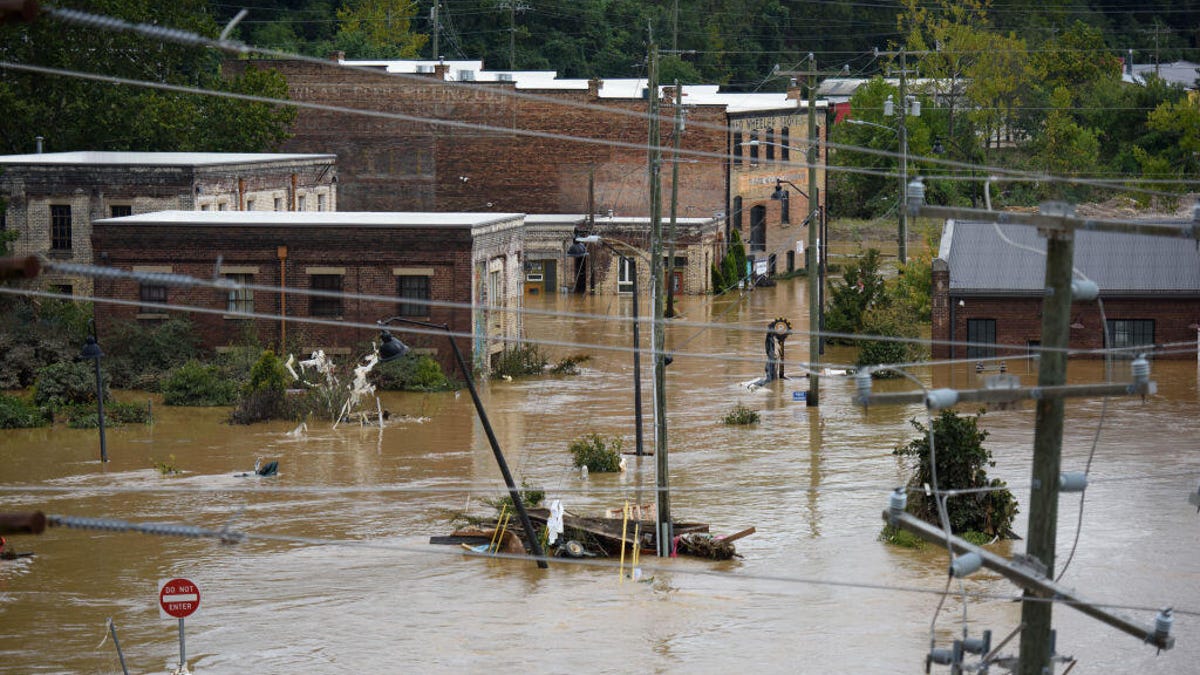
391 348
815 286
578 249
91 350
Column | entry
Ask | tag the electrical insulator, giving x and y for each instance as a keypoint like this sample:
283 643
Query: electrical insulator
1072 481
862 380
914 107
889 107
1141 371
965 564
1084 290
979 645
942 657
941 398
915 195
1162 624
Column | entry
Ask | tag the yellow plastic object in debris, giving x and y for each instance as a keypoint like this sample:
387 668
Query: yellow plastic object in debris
501 526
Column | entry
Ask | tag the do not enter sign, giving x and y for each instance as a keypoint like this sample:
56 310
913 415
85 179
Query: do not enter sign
178 598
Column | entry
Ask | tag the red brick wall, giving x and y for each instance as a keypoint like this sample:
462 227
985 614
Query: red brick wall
401 165
367 254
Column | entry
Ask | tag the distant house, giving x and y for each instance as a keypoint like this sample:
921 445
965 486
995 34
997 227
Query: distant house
53 198
461 269
989 292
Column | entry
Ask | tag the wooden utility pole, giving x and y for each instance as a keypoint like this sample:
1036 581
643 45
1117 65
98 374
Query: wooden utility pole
902 131
433 19
676 132
1047 446
664 535
813 257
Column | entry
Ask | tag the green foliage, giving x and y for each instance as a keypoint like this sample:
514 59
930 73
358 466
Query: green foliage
166 467
139 355
67 383
264 396
962 463
100 116
860 288
741 415
569 365
530 497
892 321
598 453
412 372
17 413
378 29
197 384
520 361
116 413
35 333
732 267
902 538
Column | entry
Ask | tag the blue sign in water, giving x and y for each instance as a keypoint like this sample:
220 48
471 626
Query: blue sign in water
800 396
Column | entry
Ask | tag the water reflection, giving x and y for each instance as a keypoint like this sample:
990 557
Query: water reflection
276 606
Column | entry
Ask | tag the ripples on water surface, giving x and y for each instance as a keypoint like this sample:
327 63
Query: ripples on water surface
812 481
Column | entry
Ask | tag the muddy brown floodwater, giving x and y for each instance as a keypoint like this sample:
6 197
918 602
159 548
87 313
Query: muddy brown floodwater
814 592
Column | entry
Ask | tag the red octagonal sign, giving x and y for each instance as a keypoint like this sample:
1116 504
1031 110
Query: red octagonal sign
179 598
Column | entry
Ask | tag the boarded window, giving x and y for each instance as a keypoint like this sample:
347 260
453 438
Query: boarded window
784 139
320 305
413 287
981 334
737 149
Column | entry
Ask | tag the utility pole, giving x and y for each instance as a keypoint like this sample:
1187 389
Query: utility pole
675 27
678 130
1047 446
433 19
664 536
902 132
812 262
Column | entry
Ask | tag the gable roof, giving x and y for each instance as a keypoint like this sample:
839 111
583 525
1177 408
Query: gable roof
981 262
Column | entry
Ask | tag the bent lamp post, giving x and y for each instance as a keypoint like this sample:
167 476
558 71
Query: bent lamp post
91 350
579 250
390 348
814 293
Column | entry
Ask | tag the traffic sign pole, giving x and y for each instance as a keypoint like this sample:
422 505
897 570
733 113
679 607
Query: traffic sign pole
179 598
182 650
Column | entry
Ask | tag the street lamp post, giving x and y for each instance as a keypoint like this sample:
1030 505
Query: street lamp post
391 348
91 350
579 250
815 310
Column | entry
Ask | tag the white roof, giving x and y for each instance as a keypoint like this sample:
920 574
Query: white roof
1179 72
315 218
91 158
555 218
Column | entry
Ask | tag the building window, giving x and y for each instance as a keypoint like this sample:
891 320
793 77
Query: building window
737 213
770 145
753 148
737 149
249 204
153 293
63 289
60 227
120 210
413 288
325 306
784 139
320 202
3 219
758 229
625 272
221 206
279 203
204 207
785 209
981 334
240 299
300 203
1130 333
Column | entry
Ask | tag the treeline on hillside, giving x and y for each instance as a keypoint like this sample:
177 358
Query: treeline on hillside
1056 107
733 42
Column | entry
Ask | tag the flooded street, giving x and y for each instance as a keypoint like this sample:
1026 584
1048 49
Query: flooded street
814 592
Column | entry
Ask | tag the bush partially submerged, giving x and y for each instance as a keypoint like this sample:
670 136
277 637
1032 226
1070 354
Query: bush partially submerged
569 365
138 355
597 453
412 372
196 384
67 383
741 415
17 413
115 414
264 396
520 361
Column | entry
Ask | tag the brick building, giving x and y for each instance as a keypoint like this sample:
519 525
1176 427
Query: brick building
53 198
989 292
405 164
419 261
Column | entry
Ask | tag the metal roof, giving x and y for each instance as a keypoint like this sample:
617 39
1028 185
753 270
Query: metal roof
96 158
315 219
982 262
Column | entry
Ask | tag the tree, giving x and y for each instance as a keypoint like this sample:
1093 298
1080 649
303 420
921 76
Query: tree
75 114
860 288
1065 148
378 29
962 463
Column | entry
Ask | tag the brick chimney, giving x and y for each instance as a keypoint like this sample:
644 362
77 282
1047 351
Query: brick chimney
794 91
594 86
668 96
440 70
337 56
